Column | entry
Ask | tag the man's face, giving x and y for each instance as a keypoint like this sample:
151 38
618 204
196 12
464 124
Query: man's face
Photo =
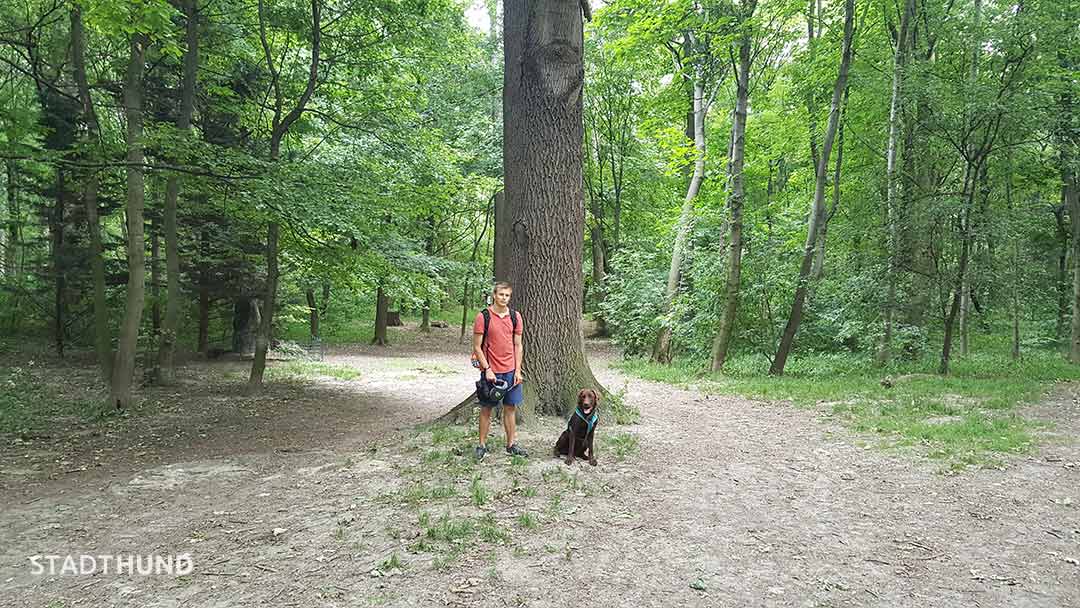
502 297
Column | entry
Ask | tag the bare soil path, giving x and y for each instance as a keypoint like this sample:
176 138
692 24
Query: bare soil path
322 493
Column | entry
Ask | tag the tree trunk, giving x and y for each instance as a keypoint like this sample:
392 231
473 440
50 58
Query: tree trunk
1062 269
56 240
425 317
961 277
965 314
102 339
246 321
382 312
280 125
167 349
11 242
599 261
662 346
735 205
817 213
204 292
892 184
155 279
313 314
266 325
1072 203
504 237
542 126
124 366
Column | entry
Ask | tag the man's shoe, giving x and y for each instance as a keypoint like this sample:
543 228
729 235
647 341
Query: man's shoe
516 450
481 451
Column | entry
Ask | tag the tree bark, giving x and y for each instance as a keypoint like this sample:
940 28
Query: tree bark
124 366
735 204
892 184
102 339
382 312
818 211
246 321
166 367
1071 191
543 132
155 279
662 346
504 237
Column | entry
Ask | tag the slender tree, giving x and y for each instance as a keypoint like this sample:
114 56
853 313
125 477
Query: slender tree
817 212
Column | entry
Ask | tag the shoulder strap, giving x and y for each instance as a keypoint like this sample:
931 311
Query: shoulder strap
513 319
487 321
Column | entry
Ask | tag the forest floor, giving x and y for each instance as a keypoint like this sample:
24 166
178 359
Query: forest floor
323 491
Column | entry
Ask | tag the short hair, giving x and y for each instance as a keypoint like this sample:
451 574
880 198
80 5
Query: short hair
502 285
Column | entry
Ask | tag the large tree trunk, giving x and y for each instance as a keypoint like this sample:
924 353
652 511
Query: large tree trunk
102 339
542 110
735 205
817 213
504 237
124 367
167 349
382 313
662 346
892 184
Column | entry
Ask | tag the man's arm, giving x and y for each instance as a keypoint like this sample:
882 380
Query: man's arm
478 351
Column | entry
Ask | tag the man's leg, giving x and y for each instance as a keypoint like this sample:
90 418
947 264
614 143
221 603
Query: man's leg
485 424
510 424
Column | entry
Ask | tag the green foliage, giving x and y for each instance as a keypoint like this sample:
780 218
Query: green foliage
623 445
965 417
621 411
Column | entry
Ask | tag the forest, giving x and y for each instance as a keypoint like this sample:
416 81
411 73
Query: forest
243 244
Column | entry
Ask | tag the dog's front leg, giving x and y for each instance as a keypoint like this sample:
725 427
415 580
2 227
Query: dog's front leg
570 452
592 450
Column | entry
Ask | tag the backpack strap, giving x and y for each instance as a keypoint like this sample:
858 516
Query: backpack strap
487 321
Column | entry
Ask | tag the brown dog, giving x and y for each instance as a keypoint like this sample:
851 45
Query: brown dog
577 439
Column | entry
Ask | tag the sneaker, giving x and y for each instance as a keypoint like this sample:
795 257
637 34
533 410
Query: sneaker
481 451
516 450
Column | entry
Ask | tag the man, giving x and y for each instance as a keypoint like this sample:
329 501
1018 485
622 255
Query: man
499 358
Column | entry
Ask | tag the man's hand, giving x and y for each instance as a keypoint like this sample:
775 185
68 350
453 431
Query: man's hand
490 375
518 378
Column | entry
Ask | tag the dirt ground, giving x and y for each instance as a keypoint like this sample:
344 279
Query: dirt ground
325 493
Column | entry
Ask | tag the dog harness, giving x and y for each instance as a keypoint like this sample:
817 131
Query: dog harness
590 421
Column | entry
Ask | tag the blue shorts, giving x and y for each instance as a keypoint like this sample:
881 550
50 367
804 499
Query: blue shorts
512 397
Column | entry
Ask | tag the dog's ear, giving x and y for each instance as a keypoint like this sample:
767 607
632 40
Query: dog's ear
595 397
581 396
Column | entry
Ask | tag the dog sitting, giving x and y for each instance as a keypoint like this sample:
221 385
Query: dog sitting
577 439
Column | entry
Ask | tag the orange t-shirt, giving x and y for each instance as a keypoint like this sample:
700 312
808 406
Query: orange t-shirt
499 348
